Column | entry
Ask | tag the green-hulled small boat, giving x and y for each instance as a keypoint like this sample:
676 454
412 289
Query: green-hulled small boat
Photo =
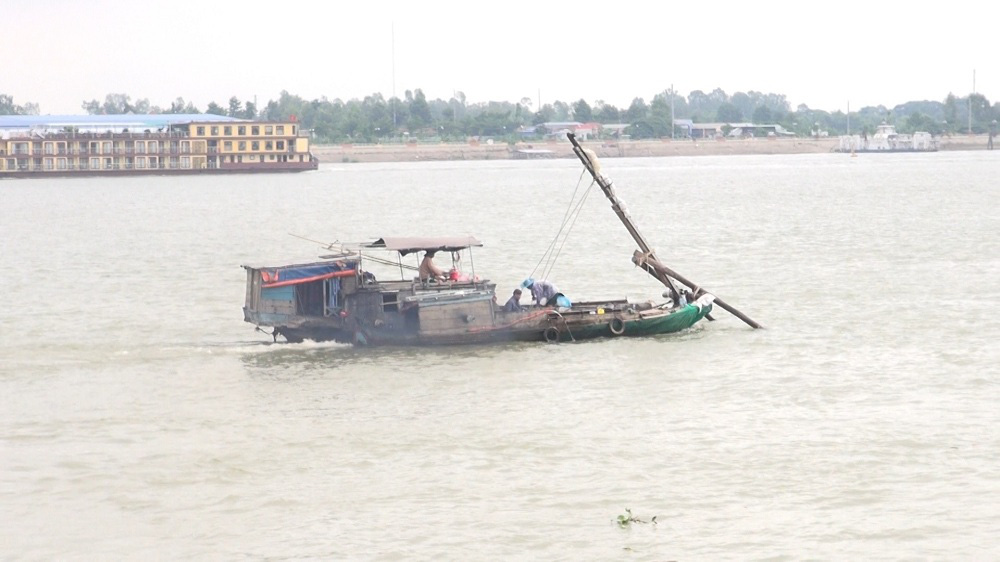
337 299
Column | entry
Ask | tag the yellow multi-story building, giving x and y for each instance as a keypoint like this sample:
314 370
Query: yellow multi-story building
45 146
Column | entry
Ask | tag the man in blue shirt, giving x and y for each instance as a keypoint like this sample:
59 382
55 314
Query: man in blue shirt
514 302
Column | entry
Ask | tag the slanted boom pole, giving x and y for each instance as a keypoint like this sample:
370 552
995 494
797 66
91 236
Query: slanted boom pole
645 257
616 205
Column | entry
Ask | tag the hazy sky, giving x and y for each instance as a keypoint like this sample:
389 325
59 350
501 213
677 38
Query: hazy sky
58 53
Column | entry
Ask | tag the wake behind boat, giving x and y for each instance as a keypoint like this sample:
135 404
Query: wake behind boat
339 299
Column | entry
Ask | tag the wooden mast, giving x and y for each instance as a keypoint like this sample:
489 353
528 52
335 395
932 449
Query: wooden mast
644 258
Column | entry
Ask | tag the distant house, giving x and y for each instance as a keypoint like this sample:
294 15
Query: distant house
706 130
614 130
558 129
586 131
686 124
528 132
752 130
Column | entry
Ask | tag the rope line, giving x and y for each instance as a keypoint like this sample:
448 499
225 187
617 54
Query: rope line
569 216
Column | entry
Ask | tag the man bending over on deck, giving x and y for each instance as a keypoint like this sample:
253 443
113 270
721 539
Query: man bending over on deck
545 293
429 270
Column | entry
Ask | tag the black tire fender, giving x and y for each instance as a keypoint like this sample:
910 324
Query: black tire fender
551 334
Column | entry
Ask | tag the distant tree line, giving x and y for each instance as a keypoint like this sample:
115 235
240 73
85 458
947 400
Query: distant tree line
376 119
8 107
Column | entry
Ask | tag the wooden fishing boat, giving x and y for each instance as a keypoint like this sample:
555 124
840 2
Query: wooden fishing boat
339 299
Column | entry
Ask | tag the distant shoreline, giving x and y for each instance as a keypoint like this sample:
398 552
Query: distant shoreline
345 153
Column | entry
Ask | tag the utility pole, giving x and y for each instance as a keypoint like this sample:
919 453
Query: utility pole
393 31
970 99
848 118
671 112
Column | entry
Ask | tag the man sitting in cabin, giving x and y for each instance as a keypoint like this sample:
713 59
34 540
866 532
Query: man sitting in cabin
514 302
429 270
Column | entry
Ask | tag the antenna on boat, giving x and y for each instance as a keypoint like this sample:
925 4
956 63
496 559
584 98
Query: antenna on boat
643 257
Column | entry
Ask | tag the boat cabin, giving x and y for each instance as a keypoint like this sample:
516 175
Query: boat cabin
340 299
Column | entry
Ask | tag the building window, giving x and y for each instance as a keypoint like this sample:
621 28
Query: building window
255 130
48 163
281 145
272 157
268 130
95 163
140 147
154 147
48 148
61 163
281 129
255 145
268 145
108 163
227 130
241 130
185 146
227 146
105 148
293 129
153 162
185 162
215 130
140 162
201 130
243 145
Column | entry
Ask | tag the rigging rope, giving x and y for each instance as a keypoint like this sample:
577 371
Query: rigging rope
576 215
550 255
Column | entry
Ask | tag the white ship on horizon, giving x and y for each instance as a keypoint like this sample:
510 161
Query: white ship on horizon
886 139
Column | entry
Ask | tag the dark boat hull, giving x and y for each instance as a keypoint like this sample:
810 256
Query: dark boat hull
580 323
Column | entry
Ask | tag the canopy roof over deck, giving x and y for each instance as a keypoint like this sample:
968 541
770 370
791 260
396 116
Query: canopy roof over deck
435 244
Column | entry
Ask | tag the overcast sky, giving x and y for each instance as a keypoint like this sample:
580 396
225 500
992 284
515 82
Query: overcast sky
58 53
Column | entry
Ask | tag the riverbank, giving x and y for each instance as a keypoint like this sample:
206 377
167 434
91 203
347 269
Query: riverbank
474 150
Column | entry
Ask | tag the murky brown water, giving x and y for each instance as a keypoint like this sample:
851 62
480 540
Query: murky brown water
141 418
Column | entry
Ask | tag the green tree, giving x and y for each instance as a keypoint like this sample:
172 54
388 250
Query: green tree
249 111
637 111
582 111
605 113
951 112
420 114
762 115
562 110
92 107
117 104
728 113
214 109
659 114
545 114
982 113
8 107
235 107
181 106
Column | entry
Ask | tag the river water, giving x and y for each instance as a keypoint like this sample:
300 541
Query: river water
141 418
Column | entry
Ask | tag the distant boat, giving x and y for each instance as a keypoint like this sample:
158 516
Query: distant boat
886 139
